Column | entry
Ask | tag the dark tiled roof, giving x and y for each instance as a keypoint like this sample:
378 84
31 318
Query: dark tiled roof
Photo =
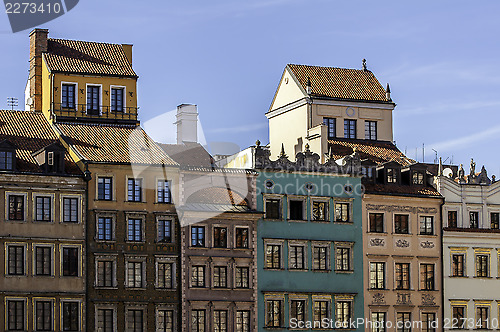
404 190
340 83
190 154
217 195
30 132
82 57
376 151
103 143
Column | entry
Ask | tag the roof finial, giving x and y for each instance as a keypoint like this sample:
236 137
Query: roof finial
257 143
307 147
364 65
440 167
388 92
282 153
309 86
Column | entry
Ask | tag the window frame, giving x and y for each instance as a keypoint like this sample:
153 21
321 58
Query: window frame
343 246
24 196
106 308
459 319
380 281
352 130
132 237
324 300
275 244
201 278
173 272
132 197
304 264
477 264
220 240
160 231
23 321
197 238
114 280
495 224
327 251
340 300
452 223
402 280
326 212
24 248
371 130
124 98
236 241
269 316
199 328
398 229
341 206
220 282
427 277
106 217
10 155
90 107
51 202
426 230
62 314
375 228
166 192
51 248
273 198
330 123
79 209
78 249
130 284
301 199
104 185
474 217
165 308
238 275
455 270
68 105
49 301
134 309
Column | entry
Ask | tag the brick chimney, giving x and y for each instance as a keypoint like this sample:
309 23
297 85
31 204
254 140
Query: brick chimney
187 124
38 45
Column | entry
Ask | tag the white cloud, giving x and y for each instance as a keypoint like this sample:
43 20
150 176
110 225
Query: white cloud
462 142
238 129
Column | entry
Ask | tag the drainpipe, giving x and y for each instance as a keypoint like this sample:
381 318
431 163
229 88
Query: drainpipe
87 176
442 258
51 96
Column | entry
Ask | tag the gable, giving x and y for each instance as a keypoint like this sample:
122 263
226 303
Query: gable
288 91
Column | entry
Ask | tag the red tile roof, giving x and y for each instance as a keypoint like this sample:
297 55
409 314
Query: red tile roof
340 83
376 151
82 57
189 154
30 132
217 195
403 190
102 143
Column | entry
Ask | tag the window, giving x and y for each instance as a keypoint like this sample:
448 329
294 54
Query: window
274 313
105 188
331 127
16 260
220 321
343 259
342 212
106 273
427 276
164 275
482 265
15 318
105 228
392 175
482 317
320 310
426 225
16 207
71 316
319 211
457 265
241 238
401 224
273 209
242 277
43 208
134 274
198 320
402 276
197 236
220 276
320 258
198 276
404 321
134 230
134 190
70 209
68 96
377 275
343 313
458 316
495 217
135 320
296 260
163 194
452 219
418 178
349 128
378 321
43 261
367 172
117 99
70 262
296 210
93 100
429 322
242 321
6 160
376 222
220 237
371 130
165 321
105 320
165 231
43 320
474 219
273 256
298 310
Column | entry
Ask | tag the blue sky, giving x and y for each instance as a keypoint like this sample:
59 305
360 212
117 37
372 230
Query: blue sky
440 57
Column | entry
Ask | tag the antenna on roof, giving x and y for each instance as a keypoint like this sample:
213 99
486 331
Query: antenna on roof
423 152
364 65
12 102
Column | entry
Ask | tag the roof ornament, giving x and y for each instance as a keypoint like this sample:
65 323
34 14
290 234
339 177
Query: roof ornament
388 92
282 153
257 143
472 172
307 147
461 174
309 86
364 65
440 167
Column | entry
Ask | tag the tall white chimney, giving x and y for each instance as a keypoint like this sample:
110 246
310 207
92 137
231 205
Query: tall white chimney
187 123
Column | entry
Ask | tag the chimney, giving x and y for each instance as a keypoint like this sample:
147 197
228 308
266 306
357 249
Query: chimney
127 48
187 123
38 45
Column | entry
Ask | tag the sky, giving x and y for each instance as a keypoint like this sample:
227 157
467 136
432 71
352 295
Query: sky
441 59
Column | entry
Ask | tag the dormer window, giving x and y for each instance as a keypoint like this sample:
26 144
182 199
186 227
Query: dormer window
392 175
7 160
418 178
51 158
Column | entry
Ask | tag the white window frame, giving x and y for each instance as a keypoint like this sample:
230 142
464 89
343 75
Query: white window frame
108 257
169 260
143 308
166 307
143 185
43 299
52 207
304 208
100 96
113 226
277 242
105 307
76 93
25 311
111 87
14 193
136 259
80 208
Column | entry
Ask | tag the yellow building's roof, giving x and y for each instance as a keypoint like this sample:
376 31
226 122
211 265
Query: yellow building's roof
340 83
102 143
82 57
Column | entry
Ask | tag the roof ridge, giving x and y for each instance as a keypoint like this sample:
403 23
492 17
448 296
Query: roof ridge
329 67
84 41
90 124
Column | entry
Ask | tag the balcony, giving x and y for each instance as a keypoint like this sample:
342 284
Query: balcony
91 113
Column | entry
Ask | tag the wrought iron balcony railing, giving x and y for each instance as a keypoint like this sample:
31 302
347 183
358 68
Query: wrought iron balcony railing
87 111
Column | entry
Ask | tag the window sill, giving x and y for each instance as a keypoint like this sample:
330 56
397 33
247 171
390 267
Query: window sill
134 202
344 271
461 277
105 200
272 219
321 270
105 287
43 221
164 289
402 234
378 233
297 220
297 270
105 241
321 222
135 288
17 221
273 269
476 277
343 222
